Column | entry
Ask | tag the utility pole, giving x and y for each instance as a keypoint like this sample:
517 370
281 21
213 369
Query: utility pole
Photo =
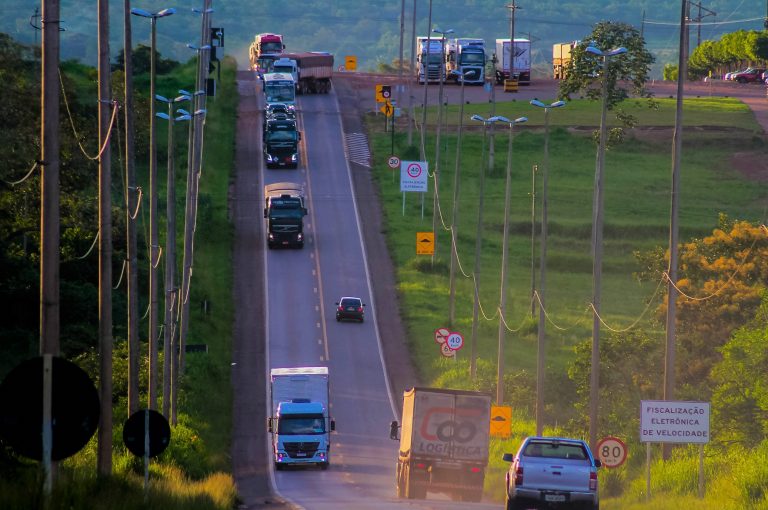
50 219
698 19
104 454
131 210
512 8
455 212
400 62
677 145
435 201
154 242
413 68
425 61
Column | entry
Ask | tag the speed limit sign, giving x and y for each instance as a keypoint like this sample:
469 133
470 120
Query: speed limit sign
612 452
393 162
455 341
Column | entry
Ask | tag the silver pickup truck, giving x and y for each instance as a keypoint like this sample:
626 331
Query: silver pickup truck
552 472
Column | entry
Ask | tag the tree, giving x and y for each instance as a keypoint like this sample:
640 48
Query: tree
630 69
141 61
725 275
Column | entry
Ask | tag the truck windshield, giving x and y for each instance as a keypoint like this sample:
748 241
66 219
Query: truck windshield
282 69
284 92
271 47
281 136
432 58
468 59
301 424
265 64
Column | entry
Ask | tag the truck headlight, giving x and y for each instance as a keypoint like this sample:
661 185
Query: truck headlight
269 158
294 158
271 236
299 236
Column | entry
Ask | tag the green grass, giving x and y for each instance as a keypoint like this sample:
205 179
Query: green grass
637 203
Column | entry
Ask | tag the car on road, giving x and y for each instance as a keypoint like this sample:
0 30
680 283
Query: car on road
350 308
552 472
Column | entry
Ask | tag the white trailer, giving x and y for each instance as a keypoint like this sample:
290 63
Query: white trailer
521 68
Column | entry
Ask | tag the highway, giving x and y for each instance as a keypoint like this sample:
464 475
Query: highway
300 287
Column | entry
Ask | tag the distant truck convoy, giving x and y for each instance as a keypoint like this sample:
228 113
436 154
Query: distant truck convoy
521 68
300 422
561 58
310 70
429 60
467 56
284 212
262 50
443 443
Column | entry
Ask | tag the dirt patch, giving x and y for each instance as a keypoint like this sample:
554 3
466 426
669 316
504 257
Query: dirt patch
752 165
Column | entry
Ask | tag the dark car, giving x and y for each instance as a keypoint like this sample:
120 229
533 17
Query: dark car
351 308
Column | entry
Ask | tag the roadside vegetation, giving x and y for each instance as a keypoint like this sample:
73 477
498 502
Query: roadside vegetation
194 472
722 242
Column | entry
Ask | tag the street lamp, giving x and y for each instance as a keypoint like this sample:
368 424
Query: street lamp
170 245
478 242
441 79
504 262
597 246
540 365
153 228
454 256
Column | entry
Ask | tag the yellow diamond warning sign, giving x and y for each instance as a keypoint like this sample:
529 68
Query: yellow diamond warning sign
425 243
501 421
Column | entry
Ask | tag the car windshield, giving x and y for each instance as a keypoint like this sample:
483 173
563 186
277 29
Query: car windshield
350 302
301 424
555 450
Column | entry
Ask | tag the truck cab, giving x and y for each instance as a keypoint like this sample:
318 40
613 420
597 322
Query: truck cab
281 141
466 57
429 60
300 431
279 88
284 212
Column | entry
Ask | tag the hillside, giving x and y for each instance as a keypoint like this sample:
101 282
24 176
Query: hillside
370 30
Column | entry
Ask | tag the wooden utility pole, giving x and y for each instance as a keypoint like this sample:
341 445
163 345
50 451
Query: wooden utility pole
104 454
400 62
131 208
154 235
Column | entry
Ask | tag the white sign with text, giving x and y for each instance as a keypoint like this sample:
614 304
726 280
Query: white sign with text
667 421
413 176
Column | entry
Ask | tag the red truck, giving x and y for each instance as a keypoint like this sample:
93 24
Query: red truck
264 49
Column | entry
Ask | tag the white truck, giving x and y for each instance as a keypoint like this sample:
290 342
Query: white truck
443 443
465 56
552 471
521 64
300 422
311 70
429 60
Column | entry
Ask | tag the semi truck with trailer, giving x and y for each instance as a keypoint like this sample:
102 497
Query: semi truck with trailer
561 58
429 60
521 63
444 438
467 56
284 211
311 70
300 422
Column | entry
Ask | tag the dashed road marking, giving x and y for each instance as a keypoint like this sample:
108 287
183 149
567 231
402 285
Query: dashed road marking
357 149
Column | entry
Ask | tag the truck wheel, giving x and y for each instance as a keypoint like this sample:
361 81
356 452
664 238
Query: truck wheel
324 466
278 467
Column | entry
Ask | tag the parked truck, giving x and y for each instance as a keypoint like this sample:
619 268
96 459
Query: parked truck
281 141
311 70
284 211
521 68
443 443
263 50
300 423
561 58
465 56
429 60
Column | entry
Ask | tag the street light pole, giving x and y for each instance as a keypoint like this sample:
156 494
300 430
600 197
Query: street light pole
435 202
454 215
541 342
505 263
170 249
478 244
154 256
597 248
